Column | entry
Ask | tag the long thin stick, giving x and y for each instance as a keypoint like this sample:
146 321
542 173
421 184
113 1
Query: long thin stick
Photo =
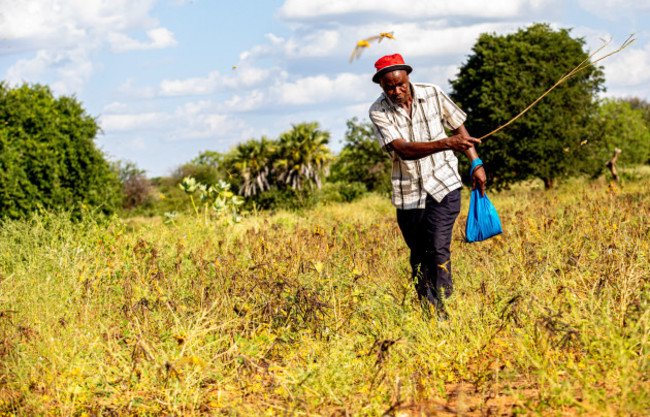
568 75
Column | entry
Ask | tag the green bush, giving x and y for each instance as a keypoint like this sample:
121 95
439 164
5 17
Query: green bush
136 188
48 157
340 192
285 198
362 159
205 174
621 126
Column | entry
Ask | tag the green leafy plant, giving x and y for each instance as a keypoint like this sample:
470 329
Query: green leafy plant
219 197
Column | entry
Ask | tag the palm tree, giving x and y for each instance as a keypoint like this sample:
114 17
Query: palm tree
253 162
303 156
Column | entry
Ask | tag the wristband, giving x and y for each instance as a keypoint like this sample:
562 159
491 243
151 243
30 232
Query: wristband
475 163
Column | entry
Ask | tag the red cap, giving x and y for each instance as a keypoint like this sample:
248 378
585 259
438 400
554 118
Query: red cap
390 63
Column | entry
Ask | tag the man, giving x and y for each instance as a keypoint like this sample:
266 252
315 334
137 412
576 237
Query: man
409 122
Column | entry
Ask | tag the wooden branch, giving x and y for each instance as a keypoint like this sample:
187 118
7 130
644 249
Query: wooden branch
611 164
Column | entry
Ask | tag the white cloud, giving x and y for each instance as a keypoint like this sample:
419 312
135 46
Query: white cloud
201 120
413 9
313 44
319 89
65 23
211 125
629 67
345 87
116 107
133 122
275 44
430 38
241 77
610 9
129 89
194 107
158 38
190 86
250 101
626 73
65 35
68 68
438 38
305 43
437 74
191 120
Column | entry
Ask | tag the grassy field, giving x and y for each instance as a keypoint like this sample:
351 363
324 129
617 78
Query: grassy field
312 313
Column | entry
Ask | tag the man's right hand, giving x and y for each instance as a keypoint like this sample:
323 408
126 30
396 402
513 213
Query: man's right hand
461 143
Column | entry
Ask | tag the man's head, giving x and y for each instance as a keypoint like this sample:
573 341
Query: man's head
392 75
396 86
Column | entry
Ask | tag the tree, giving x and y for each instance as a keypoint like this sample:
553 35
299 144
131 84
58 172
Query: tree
251 163
302 156
48 156
136 189
207 168
642 106
362 159
502 76
620 126
212 159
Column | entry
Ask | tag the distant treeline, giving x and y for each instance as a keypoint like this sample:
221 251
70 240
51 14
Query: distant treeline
49 160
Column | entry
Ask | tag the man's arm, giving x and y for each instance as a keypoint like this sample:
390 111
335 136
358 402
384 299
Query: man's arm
478 176
461 141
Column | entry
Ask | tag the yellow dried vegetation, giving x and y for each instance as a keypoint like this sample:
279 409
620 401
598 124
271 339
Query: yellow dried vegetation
313 313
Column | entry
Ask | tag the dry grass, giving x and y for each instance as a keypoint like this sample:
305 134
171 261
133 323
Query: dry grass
313 314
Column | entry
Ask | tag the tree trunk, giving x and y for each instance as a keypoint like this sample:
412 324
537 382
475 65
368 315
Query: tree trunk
611 164
548 183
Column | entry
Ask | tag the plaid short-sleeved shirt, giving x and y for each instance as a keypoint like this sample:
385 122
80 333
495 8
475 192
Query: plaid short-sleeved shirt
436 174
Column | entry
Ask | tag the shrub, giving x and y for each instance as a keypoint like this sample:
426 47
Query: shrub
136 189
48 157
341 192
285 198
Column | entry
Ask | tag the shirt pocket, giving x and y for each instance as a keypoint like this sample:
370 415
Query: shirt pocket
406 186
407 178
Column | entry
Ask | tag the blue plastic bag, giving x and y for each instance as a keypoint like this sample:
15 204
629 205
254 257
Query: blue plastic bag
482 219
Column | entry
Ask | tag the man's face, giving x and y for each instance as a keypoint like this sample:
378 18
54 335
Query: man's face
396 86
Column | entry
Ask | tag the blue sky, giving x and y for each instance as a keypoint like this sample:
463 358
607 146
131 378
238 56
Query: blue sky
159 77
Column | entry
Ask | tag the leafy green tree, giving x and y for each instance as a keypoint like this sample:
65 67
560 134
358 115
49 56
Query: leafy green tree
620 126
303 156
208 168
136 189
48 156
251 163
503 75
211 159
642 106
362 159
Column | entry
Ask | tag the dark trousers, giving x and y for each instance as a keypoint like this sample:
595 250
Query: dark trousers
427 233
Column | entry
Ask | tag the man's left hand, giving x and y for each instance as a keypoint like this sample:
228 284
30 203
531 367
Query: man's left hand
478 179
